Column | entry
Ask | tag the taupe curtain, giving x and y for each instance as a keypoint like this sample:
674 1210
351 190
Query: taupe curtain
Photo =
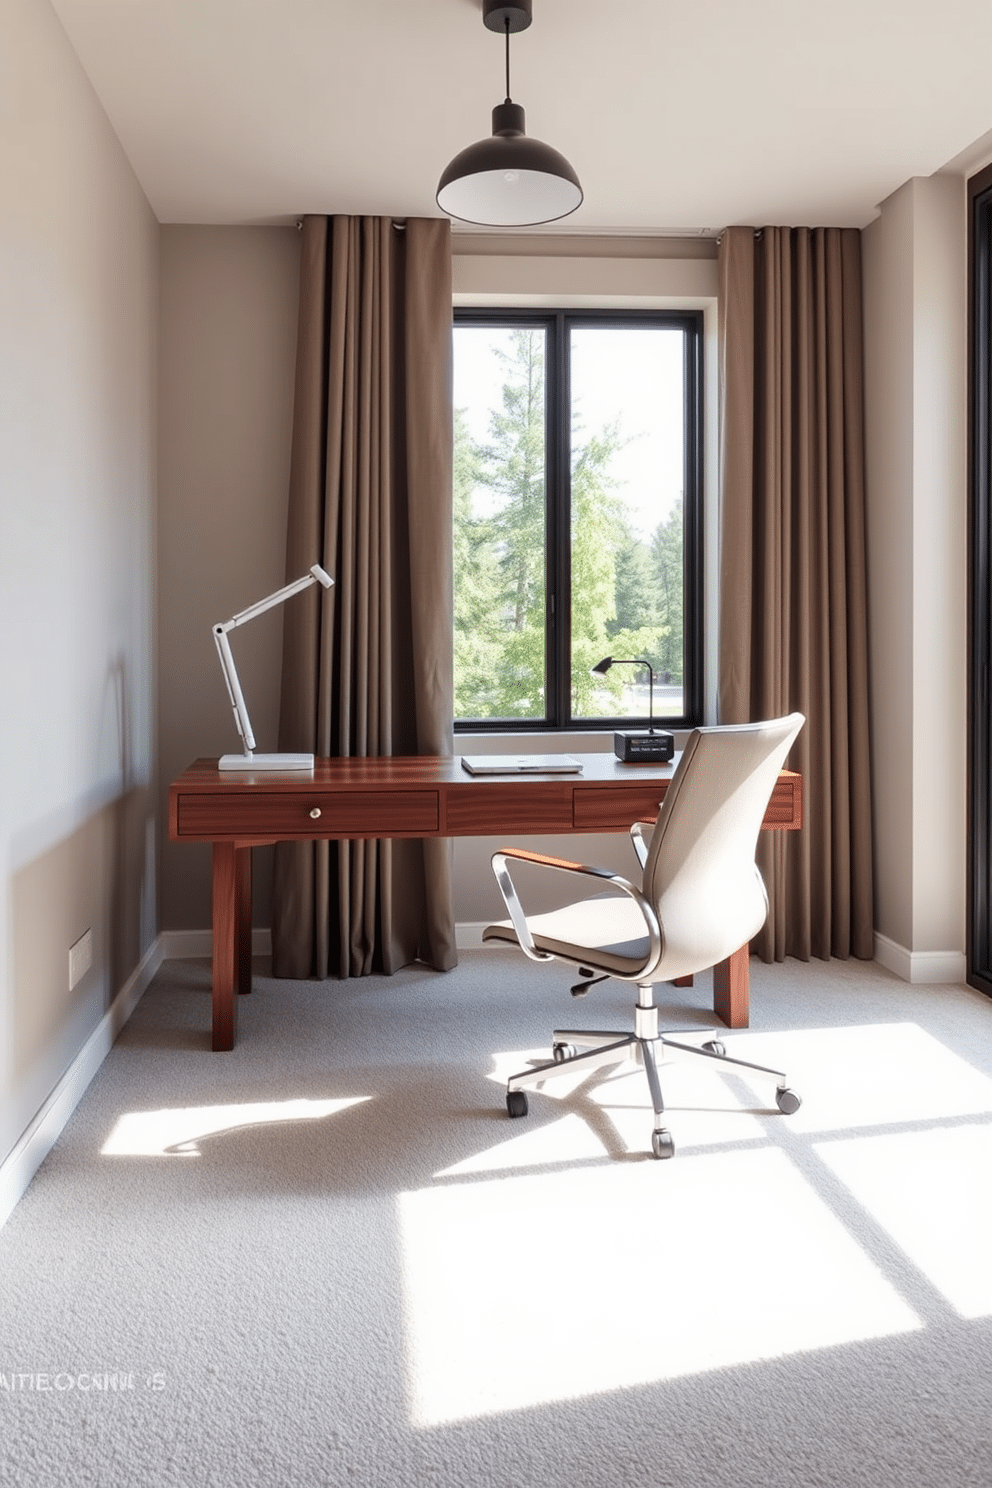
367 668
793 617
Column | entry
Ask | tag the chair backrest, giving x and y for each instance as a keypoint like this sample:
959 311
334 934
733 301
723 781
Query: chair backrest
700 872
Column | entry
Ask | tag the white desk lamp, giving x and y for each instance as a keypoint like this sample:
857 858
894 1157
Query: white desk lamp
248 760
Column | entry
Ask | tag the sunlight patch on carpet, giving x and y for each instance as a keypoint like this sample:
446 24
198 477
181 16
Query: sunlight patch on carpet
932 1192
177 1131
715 1260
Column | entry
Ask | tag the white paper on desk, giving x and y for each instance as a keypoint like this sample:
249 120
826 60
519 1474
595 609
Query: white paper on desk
521 764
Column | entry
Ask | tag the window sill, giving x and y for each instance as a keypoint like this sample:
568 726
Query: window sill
553 741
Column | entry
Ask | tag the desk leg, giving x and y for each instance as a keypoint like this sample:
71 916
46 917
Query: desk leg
231 888
732 989
242 909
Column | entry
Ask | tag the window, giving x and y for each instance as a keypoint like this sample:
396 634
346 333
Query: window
577 530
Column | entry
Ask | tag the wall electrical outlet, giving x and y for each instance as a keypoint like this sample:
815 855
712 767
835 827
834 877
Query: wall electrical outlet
80 958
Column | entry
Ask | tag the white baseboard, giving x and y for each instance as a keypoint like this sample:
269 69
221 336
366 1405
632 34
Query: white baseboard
468 937
41 1135
923 967
183 945
912 966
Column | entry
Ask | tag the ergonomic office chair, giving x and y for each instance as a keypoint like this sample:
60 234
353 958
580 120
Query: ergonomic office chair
701 898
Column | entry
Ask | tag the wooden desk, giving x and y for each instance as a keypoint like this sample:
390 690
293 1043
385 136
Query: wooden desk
412 797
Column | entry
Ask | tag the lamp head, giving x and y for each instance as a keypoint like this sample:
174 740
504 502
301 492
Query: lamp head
649 747
509 179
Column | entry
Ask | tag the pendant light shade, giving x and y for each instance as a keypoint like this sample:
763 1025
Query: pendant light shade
508 180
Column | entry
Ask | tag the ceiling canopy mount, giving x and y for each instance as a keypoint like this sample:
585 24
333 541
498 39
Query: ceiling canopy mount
501 17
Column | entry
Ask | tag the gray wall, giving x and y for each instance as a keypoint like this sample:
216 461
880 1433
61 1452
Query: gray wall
916 408
78 366
228 348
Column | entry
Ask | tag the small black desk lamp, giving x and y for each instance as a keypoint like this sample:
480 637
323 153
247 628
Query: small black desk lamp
656 745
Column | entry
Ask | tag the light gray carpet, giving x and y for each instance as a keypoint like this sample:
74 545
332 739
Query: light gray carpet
330 1258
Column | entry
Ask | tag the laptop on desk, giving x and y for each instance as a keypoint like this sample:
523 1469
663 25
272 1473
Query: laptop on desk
521 764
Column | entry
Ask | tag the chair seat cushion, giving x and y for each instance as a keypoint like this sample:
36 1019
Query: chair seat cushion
605 933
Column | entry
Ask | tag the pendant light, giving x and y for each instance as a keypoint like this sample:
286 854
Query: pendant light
508 180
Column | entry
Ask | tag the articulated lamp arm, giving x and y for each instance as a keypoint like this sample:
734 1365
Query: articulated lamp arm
248 760
233 682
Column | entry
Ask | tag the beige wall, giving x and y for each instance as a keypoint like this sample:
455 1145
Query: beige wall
78 356
228 347
916 403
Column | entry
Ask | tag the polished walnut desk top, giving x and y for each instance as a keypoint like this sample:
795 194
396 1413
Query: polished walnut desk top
427 796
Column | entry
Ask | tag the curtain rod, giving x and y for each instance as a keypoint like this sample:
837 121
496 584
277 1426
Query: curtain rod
398 223
758 233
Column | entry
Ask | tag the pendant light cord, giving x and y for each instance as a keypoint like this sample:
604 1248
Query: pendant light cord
506 23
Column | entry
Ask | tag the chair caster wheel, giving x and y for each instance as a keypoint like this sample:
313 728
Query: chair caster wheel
562 1052
516 1103
787 1100
714 1046
662 1144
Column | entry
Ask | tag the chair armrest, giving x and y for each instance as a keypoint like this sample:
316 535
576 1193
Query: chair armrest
637 838
562 865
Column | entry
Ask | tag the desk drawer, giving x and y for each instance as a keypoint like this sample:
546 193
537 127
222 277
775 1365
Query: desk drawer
285 815
508 809
598 808
601 808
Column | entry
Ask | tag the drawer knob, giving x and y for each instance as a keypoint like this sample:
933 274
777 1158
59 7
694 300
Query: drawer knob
315 812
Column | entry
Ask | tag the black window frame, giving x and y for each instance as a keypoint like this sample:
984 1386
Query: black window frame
558 608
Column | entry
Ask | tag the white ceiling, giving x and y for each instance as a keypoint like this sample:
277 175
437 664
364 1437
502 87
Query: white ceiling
677 117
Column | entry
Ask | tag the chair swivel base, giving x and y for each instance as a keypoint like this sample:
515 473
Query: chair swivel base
606 1047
